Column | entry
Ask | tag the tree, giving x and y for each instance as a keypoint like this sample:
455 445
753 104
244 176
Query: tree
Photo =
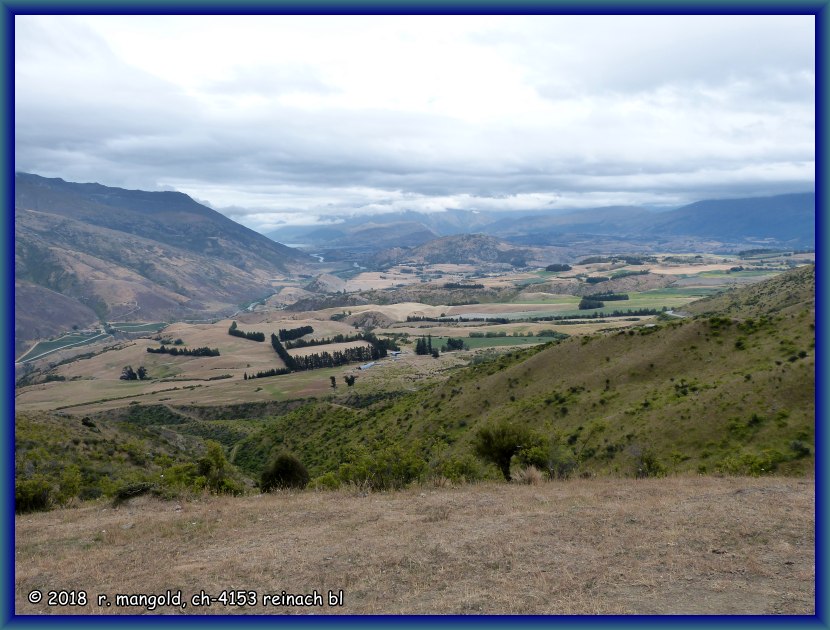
350 379
284 471
127 374
333 382
586 304
142 373
498 443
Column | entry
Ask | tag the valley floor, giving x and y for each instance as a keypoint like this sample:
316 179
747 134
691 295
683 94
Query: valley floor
682 545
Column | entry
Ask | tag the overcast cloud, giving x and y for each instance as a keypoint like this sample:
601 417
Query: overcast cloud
283 119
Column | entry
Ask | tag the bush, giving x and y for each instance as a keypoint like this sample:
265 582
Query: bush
647 465
329 481
32 495
498 444
216 470
552 455
530 475
460 469
130 490
284 471
390 468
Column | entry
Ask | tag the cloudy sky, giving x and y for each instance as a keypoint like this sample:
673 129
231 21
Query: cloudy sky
290 119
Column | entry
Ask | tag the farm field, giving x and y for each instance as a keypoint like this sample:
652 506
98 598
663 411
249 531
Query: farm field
138 327
69 340
94 381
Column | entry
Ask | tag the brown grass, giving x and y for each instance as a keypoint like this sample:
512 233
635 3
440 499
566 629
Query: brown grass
677 545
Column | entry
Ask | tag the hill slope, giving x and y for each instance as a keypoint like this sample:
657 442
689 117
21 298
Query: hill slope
475 249
714 393
122 253
784 218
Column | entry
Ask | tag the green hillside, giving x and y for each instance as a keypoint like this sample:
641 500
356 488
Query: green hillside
709 394
713 393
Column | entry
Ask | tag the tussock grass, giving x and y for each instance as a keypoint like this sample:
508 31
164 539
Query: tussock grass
696 545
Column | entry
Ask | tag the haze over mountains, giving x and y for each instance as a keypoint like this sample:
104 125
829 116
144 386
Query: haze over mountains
782 220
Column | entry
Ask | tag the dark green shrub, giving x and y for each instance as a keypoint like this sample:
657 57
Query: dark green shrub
498 444
284 471
460 469
390 468
32 495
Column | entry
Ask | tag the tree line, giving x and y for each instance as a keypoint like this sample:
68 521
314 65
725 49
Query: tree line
377 350
253 336
191 352
266 373
289 334
339 338
459 285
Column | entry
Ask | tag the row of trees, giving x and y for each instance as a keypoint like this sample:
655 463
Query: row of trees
128 374
608 297
424 345
289 334
267 373
558 267
377 350
453 344
253 336
339 338
190 352
459 285
589 303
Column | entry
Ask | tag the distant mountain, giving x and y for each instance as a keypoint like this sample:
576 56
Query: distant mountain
473 249
611 220
390 227
783 218
372 234
131 254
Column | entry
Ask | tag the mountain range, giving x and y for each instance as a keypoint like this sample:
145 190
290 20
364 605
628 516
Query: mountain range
781 220
85 252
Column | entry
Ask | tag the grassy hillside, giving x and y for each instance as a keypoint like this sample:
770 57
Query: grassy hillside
730 394
711 394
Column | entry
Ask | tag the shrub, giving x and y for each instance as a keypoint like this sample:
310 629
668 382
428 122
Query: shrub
530 475
284 471
646 464
130 490
751 464
390 468
216 470
32 495
460 469
328 481
498 444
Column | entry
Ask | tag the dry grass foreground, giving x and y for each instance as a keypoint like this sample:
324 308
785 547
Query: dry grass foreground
668 546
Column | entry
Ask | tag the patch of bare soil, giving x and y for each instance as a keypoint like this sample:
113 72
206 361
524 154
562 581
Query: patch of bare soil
700 545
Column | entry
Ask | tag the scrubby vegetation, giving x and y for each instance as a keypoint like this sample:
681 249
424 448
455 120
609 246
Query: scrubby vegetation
730 391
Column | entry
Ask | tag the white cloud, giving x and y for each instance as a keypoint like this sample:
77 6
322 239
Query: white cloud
298 115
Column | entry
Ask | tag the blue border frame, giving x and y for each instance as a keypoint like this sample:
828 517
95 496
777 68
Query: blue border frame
9 8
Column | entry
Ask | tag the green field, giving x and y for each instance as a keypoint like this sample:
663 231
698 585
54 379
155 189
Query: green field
46 347
750 273
474 343
134 327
